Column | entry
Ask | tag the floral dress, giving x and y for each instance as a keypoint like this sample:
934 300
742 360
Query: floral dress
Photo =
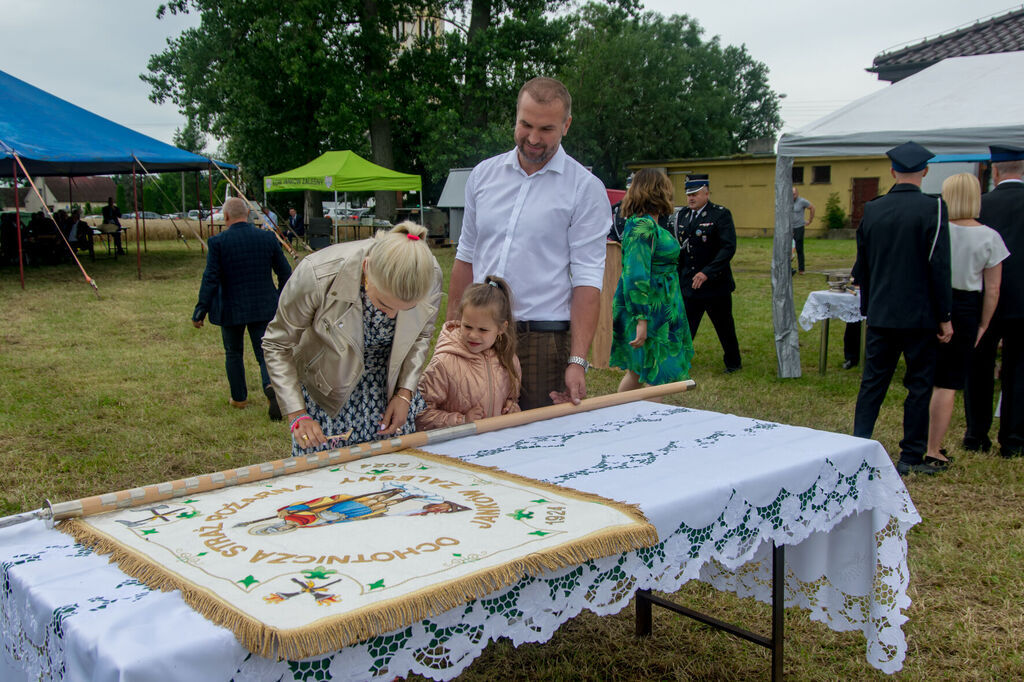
649 290
365 408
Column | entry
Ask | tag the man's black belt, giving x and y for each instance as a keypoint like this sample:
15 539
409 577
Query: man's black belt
525 326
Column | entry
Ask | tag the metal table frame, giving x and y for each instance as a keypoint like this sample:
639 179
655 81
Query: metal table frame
645 599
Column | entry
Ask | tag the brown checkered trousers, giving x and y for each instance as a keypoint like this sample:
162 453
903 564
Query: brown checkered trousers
543 356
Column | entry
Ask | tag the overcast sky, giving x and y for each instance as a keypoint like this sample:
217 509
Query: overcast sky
91 52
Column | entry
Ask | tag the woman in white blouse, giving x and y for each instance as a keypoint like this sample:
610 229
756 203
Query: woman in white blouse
977 255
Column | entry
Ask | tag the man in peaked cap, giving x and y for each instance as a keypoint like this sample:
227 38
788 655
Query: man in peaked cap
1002 209
903 268
707 238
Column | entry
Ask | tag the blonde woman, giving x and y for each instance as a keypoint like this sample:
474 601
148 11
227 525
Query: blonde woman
977 252
350 339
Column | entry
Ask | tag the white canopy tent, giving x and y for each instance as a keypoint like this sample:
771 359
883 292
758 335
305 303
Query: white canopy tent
956 109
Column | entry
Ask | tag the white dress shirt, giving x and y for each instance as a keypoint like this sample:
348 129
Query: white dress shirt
544 233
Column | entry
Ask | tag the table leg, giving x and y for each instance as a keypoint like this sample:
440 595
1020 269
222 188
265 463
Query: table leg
643 613
823 348
645 600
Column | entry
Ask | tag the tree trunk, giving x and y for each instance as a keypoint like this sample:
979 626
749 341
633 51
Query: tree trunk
787 342
473 112
312 205
380 125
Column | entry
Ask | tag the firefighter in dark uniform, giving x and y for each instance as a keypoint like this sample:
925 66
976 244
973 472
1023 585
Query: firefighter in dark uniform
707 238
1002 209
906 292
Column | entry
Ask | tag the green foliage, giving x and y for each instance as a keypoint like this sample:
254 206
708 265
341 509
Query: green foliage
122 196
650 87
835 216
282 82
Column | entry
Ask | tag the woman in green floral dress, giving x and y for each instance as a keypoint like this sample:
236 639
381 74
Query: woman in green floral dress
648 307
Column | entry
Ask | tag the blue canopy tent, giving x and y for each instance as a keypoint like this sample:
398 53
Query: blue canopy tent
54 137
41 134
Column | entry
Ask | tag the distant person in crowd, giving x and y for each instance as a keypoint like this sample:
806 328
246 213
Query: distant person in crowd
270 219
707 237
903 268
1002 209
79 232
351 336
650 332
537 218
61 219
238 293
474 373
799 223
297 228
977 254
112 216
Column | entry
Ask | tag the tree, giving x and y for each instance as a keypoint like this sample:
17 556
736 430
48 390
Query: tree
649 87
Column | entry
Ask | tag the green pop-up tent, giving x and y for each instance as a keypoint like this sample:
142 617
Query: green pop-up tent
341 172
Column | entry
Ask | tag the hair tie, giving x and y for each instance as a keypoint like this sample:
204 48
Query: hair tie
412 237
493 284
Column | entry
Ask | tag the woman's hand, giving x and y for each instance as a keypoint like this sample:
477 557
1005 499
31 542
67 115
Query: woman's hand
641 334
307 432
476 412
397 413
981 333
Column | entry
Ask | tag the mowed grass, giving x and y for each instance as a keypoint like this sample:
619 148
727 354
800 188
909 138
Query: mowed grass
104 394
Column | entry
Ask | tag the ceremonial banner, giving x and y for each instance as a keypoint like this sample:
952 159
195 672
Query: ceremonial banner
307 563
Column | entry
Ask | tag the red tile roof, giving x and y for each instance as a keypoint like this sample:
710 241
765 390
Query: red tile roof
95 189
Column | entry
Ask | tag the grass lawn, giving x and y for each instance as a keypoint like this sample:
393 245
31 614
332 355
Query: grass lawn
104 394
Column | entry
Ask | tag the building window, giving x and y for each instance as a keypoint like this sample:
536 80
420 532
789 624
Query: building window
798 175
821 175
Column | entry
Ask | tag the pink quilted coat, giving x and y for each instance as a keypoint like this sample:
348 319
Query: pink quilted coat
457 380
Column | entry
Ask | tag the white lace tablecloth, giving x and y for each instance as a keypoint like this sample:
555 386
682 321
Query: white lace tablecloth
719 489
836 305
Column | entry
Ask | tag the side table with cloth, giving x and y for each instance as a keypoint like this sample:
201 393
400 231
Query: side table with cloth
826 305
835 501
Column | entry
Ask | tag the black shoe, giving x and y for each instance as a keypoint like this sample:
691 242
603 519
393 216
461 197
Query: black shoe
928 467
732 370
274 411
849 364
973 444
1011 453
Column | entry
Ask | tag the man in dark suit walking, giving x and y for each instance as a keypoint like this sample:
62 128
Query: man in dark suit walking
238 293
707 237
296 227
906 292
1002 209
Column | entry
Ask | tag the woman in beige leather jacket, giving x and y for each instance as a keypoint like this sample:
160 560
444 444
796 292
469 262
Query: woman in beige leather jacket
350 339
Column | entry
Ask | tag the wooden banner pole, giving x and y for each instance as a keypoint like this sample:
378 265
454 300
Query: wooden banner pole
196 485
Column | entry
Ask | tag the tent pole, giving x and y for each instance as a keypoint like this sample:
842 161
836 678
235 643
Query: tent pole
199 208
17 219
210 177
787 342
184 213
334 212
138 247
145 242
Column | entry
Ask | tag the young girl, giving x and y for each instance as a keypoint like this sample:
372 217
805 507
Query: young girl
474 372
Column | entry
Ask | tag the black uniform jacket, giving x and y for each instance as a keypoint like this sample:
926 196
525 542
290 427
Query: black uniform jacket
1002 209
903 260
708 241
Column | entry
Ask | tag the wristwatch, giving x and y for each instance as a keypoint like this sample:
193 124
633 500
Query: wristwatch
577 360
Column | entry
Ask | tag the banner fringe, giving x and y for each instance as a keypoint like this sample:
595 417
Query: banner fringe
336 631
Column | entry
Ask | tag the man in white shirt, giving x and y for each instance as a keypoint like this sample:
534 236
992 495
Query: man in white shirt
538 218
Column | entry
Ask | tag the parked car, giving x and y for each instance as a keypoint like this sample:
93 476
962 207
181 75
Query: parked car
194 214
148 215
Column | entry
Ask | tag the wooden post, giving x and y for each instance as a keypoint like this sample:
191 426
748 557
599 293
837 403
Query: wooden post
17 220
138 246
601 350
787 339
